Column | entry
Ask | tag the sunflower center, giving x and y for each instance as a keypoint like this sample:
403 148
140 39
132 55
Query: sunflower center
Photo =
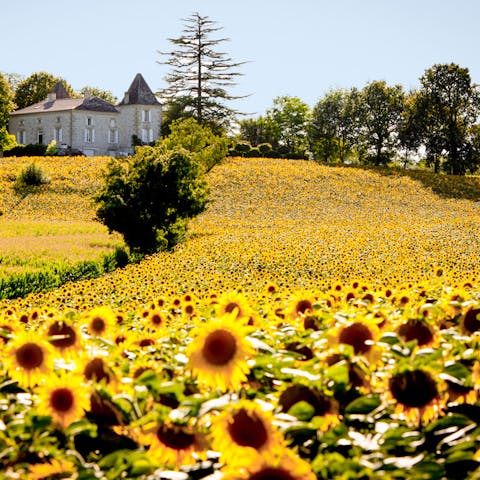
29 356
219 348
297 393
248 430
61 399
414 389
65 334
271 473
416 330
302 306
175 438
356 335
95 370
231 306
471 322
98 325
156 319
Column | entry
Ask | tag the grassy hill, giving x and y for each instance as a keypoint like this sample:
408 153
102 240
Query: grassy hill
334 312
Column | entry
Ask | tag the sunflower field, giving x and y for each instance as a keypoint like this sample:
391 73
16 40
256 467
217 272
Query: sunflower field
318 323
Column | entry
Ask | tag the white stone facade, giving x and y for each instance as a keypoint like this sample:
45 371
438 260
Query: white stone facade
91 125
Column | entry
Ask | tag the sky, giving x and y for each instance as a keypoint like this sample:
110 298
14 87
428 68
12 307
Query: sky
301 48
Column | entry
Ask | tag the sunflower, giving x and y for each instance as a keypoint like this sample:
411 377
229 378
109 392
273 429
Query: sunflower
155 320
284 466
28 358
419 394
219 352
361 334
323 406
301 305
421 330
63 336
100 321
245 430
172 445
235 304
63 398
52 469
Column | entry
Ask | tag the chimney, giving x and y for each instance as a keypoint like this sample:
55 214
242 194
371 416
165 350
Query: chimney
51 97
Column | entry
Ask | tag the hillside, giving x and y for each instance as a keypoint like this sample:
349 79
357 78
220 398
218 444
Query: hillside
302 225
318 323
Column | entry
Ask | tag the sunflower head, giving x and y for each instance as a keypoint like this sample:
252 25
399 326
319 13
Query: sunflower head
100 321
245 430
219 352
63 336
236 305
28 358
63 398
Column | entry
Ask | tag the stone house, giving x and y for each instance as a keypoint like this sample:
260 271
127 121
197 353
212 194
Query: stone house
90 124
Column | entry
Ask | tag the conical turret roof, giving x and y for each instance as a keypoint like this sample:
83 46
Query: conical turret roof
139 93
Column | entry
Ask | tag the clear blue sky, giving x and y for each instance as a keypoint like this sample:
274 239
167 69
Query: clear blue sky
300 48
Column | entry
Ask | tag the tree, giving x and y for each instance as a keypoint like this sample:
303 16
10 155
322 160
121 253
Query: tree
409 132
333 127
290 117
36 88
208 149
14 79
447 107
97 92
380 113
149 197
201 76
257 131
6 106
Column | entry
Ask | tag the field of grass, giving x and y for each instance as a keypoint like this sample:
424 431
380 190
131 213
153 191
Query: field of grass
51 226
319 322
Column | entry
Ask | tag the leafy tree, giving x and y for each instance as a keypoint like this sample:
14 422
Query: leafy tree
447 107
200 75
333 127
149 197
97 92
174 109
289 118
380 113
409 132
6 101
207 149
261 130
6 106
14 79
36 88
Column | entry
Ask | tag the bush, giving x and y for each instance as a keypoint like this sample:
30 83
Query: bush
30 150
31 176
149 197
241 149
265 149
207 148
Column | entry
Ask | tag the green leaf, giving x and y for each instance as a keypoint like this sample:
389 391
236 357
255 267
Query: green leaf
363 405
302 410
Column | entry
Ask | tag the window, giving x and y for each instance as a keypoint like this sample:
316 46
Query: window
147 135
22 137
39 120
145 115
113 123
40 137
113 136
58 134
58 119
89 121
22 123
89 135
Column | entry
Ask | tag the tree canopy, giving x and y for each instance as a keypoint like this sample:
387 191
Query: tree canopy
36 87
201 77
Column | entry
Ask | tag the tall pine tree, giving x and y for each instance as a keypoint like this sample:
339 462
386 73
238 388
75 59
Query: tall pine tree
200 77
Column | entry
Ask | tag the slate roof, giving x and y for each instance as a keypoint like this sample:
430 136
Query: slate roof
94 104
139 93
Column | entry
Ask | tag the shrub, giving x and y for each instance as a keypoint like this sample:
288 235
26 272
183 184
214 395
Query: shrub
241 149
31 176
52 149
265 149
149 197
30 150
207 148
